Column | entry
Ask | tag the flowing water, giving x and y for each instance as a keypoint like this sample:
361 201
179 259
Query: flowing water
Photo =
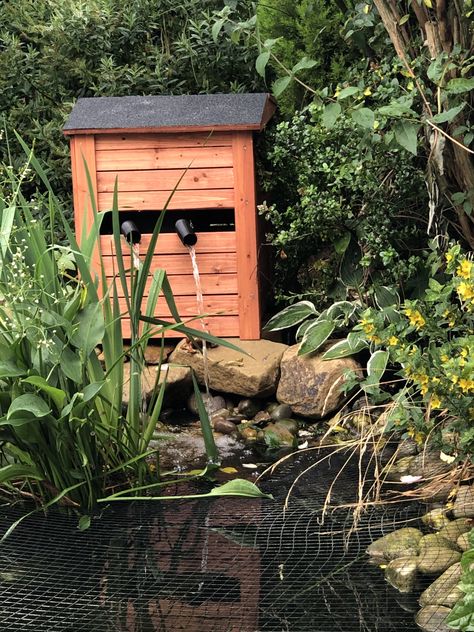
200 312
136 256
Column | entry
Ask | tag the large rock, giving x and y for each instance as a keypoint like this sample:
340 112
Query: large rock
464 503
252 375
178 382
434 560
454 529
401 543
444 591
310 385
432 619
401 573
426 464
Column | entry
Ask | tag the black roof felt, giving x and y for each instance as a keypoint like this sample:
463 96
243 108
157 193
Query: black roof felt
204 110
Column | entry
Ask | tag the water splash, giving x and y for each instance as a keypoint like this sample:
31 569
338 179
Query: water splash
200 311
136 256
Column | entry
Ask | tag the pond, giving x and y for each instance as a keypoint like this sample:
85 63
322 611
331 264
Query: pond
226 565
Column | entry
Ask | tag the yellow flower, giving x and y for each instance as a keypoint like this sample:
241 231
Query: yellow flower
465 291
367 92
375 339
435 402
444 358
449 257
464 269
393 340
466 385
464 352
376 124
367 326
415 318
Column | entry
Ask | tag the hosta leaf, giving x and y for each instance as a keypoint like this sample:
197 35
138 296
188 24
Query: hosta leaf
291 315
342 349
376 366
315 335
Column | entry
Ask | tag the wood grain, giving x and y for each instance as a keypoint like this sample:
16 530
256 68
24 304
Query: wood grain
169 243
183 284
223 326
165 179
127 141
164 158
181 264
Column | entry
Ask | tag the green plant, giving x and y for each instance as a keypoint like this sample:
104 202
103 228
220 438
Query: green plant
462 615
428 344
63 434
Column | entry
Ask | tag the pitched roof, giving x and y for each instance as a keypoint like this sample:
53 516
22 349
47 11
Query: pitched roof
171 113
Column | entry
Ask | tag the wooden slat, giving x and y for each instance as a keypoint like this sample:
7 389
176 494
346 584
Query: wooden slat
169 243
166 158
156 200
223 326
246 229
178 129
181 264
224 305
129 141
183 284
165 180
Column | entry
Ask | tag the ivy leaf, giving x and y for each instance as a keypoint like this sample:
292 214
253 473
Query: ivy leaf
315 336
364 117
331 113
261 63
460 85
406 135
280 85
449 115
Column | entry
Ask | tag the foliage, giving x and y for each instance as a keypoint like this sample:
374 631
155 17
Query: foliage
462 615
54 52
428 344
334 194
63 433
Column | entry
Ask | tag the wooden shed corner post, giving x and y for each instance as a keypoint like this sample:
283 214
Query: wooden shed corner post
246 231
83 153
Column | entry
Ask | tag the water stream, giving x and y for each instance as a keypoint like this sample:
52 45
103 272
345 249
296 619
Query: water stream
136 263
200 312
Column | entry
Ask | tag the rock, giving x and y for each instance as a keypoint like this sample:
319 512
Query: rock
436 540
253 375
464 503
261 417
426 464
212 404
221 412
407 447
236 419
310 385
432 619
271 407
290 424
444 591
463 542
401 573
434 560
156 354
248 408
436 518
456 528
401 543
223 425
394 471
278 436
219 402
248 434
178 383
282 411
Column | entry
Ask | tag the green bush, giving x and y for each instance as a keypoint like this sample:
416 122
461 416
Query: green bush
330 193
54 52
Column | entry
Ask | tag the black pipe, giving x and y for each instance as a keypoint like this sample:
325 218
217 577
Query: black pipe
131 233
185 230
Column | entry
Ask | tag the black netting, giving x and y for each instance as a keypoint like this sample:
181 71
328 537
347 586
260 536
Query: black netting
227 565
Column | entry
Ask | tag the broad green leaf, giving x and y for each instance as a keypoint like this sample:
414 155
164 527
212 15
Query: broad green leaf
91 390
30 404
357 340
351 272
216 29
343 349
315 335
376 366
261 63
280 85
406 135
56 394
436 68
18 470
71 365
341 244
449 115
302 329
8 215
303 64
364 117
341 308
91 328
239 487
290 316
347 92
404 19
396 109
386 296
84 523
460 85
331 113
9 369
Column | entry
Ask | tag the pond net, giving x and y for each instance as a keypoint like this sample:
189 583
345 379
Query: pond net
226 565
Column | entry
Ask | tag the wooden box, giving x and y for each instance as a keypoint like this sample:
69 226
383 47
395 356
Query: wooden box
147 143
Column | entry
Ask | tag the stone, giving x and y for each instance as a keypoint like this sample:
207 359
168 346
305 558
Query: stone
401 573
178 383
282 411
456 528
311 385
436 540
426 464
434 560
278 436
248 434
464 503
261 417
156 354
221 412
248 408
223 425
444 591
407 447
432 619
463 542
252 375
401 543
290 424
436 518
212 404
395 470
